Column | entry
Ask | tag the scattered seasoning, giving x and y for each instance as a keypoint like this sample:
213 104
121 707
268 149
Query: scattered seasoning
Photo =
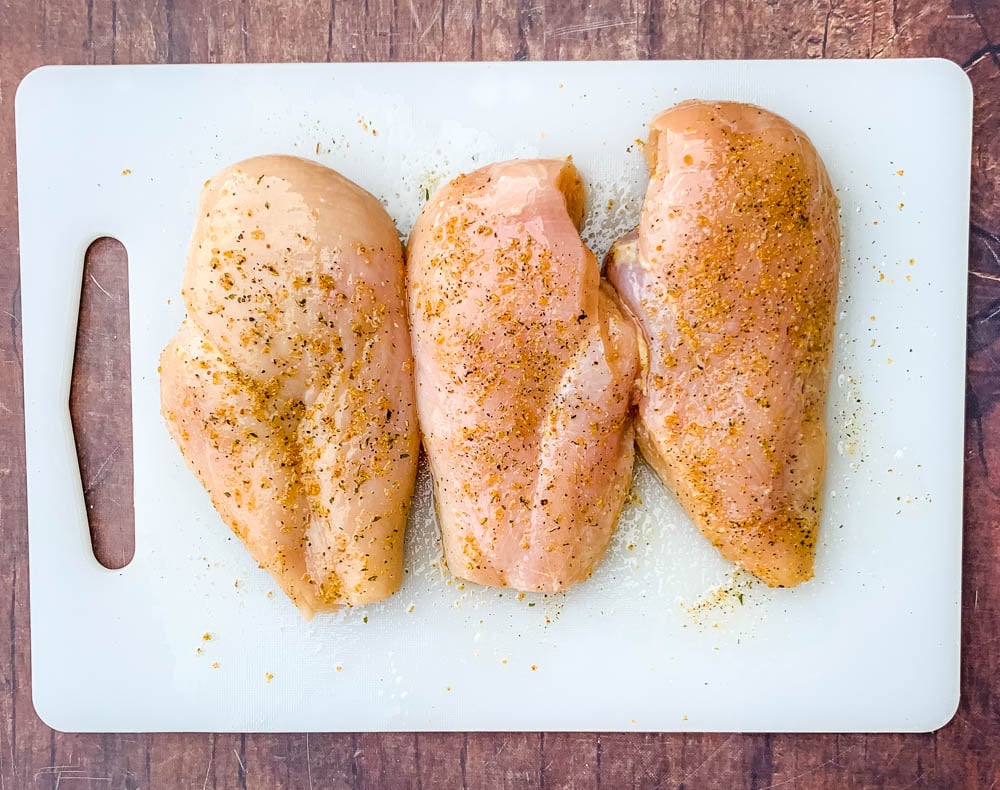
127 171
253 410
339 668
268 677
206 636
534 667
215 665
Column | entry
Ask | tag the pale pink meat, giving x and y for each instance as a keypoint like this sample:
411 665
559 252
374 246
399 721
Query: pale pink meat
525 369
732 274
289 386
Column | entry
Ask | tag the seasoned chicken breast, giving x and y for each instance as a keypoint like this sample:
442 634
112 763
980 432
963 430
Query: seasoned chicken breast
289 386
732 274
525 368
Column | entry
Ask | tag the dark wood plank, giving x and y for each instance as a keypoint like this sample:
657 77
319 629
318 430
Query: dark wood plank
987 15
569 761
985 76
509 760
581 30
965 754
101 403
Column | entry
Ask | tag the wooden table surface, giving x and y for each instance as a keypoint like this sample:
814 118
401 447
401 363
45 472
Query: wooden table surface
964 754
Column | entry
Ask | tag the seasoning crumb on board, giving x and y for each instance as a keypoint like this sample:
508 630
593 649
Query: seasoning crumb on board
206 636
127 171
215 665
268 677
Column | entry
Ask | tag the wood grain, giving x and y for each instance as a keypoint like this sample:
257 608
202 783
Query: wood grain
964 754
100 402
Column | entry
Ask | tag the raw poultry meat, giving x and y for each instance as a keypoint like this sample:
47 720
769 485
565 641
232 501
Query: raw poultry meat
525 370
289 384
732 274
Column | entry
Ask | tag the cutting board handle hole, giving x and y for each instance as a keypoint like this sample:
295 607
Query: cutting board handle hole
100 402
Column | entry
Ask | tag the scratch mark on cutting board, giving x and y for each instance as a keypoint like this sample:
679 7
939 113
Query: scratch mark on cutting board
989 246
903 26
436 17
794 779
211 759
707 760
101 288
992 315
586 27
309 767
101 470
916 781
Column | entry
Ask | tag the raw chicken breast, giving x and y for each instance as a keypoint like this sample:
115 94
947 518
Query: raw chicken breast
525 369
289 385
732 274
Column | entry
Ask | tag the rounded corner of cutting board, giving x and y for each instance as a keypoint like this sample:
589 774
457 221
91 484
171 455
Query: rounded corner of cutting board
47 708
940 714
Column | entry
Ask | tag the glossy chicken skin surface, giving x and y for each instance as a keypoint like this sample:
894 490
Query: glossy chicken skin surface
525 370
288 387
732 274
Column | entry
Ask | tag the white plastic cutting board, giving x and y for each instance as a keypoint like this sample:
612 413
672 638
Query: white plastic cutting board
664 637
